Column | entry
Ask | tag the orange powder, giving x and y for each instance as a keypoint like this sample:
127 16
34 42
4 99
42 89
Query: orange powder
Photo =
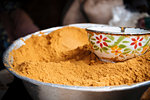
63 57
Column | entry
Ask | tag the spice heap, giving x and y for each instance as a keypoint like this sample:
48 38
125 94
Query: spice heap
63 57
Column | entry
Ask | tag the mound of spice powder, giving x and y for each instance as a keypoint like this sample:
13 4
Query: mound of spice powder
63 57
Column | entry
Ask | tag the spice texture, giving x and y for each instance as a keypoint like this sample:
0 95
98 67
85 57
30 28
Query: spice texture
63 57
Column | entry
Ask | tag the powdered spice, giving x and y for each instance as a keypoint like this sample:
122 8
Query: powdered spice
63 57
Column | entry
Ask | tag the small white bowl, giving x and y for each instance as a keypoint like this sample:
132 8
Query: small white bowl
118 43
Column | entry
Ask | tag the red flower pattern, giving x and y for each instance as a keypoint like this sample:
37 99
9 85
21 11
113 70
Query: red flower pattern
101 41
136 42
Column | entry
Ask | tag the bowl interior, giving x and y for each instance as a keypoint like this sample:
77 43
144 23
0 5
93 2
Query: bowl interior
8 61
118 30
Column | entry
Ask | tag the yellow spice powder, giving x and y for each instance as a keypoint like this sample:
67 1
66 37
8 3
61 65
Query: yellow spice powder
63 57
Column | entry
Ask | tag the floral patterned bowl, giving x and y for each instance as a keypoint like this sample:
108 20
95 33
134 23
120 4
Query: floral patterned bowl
118 43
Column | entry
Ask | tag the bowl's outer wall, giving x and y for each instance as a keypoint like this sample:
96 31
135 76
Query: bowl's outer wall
43 92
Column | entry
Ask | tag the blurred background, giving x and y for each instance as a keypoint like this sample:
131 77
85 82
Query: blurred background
21 17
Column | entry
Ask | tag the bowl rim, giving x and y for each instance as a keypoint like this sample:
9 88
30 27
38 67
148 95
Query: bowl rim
118 33
79 88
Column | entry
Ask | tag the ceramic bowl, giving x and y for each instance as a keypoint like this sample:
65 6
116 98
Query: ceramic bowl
118 43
